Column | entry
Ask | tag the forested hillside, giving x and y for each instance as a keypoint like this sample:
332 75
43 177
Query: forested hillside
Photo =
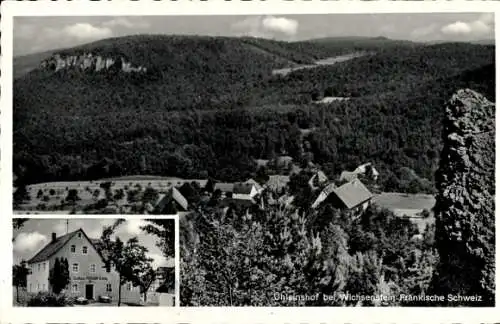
210 106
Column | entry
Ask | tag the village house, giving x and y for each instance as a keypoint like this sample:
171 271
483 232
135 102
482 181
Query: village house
225 188
89 276
257 186
351 195
317 180
244 191
172 198
362 169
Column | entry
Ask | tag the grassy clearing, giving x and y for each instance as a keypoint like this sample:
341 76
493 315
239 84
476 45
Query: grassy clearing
410 205
404 202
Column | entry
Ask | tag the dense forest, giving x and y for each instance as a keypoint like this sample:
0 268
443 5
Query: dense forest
242 259
208 107
292 255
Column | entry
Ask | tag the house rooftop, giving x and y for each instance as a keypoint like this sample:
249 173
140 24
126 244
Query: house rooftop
353 193
55 245
255 183
172 194
243 188
52 248
224 186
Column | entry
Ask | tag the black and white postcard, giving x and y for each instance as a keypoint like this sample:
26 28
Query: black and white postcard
309 156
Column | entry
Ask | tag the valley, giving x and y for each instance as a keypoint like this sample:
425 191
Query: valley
309 166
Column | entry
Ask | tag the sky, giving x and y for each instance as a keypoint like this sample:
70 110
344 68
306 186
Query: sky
36 233
38 34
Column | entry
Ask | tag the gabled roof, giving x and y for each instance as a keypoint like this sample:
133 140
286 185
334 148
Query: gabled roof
174 194
179 198
255 183
242 188
353 193
224 187
318 176
53 247
324 194
321 176
348 175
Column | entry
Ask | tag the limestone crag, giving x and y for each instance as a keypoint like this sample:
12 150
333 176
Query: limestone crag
88 62
465 211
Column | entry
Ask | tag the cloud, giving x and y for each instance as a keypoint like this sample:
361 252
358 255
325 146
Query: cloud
482 26
458 27
158 260
280 25
29 242
266 27
124 22
85 31
133 226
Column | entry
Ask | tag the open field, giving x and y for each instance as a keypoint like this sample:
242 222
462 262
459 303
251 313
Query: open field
410 205
53 194
404 202
323 62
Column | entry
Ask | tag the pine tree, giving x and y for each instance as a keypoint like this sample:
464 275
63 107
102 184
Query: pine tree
59 275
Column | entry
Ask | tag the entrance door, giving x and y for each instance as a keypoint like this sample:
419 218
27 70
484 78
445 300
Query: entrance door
89 291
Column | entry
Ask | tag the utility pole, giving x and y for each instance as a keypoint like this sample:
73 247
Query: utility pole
67 226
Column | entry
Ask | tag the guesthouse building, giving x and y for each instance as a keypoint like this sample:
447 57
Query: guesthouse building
89 276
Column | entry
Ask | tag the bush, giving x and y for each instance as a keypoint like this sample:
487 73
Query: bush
47 299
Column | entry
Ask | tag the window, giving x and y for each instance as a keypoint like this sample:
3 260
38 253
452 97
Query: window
43 266
108 287
75 267
73 249
39 265
84 250
129 286
74 288
79 234
92 268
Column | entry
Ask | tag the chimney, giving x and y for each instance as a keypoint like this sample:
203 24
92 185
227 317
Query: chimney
54 237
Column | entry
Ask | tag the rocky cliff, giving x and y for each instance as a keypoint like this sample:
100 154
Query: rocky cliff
88 62
465 205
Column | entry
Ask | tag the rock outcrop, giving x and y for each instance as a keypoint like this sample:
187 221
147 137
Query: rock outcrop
88 62
465 204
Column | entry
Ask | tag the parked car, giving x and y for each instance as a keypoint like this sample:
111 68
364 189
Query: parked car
81 301
105 299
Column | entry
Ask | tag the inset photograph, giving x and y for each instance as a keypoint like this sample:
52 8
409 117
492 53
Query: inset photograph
93 262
